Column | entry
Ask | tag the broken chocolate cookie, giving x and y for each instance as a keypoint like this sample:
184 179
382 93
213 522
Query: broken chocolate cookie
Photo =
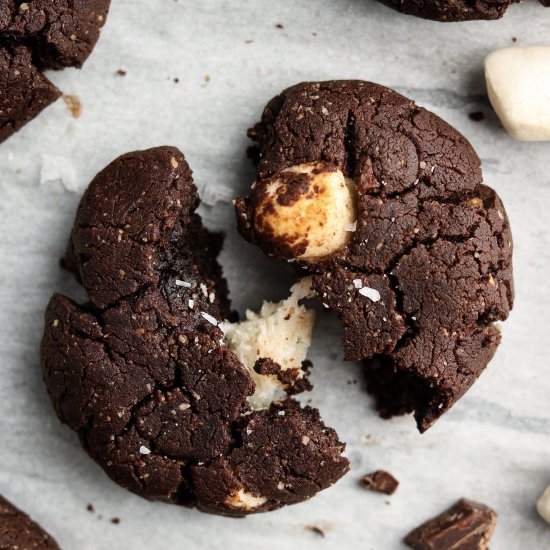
454 10
173 403
383 205
467 525
18 531
39 35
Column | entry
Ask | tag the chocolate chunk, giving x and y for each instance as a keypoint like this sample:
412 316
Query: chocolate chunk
142 373
427 271
17 530
41 35
467 525
381 482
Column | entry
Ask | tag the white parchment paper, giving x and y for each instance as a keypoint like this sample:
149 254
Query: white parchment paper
230 59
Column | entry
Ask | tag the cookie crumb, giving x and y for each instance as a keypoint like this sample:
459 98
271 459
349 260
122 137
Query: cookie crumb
90 508
115 521
316 530
477 116
73 104
176 80
121 72
380 482
279 26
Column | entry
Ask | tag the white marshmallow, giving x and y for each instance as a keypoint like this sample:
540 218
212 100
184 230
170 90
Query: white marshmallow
282 332
324 214
543 505
518 84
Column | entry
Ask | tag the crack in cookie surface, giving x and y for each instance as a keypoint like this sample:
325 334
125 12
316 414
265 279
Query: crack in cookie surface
432 243
142 372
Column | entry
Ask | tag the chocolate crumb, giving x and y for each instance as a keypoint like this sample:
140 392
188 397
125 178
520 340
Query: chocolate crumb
316 530
477 116
176 80
467 525
115 521
381 482
121 72
90 508
279 26
73 104
514 39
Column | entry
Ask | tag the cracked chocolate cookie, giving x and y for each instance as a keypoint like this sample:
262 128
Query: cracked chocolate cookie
383 205
172 402
17 530
38 35
453 10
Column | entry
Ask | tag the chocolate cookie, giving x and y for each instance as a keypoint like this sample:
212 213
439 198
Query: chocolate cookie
18 531
454 10
383 204
38 35
451 10
142 372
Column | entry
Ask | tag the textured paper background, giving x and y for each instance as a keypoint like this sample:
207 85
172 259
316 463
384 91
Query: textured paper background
493 446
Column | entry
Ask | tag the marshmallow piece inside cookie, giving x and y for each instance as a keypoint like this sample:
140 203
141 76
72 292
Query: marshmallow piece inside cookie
241 500
280 332
308 210
518 84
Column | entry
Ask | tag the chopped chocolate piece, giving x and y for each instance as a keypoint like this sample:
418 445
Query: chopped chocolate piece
381 482
17 530
467 525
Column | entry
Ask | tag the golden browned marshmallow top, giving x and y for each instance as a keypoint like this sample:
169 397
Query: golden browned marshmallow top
308 209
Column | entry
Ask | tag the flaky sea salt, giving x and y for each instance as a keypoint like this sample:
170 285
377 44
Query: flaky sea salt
351 227
144 450
209 318
358 283
370 293
183 283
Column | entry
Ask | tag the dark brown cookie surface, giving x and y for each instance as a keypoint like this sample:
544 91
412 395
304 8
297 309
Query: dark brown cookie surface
38 35
451 10
142 372
427 271
18 531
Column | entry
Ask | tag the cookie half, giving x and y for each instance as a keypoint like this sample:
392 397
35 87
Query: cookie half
143 372
17 530
383 204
